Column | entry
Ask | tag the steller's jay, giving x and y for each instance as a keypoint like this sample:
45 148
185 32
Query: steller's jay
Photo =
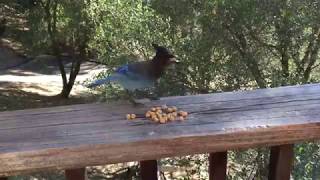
140 75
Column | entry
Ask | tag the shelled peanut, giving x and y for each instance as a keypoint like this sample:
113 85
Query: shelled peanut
131 116
165 114
162 114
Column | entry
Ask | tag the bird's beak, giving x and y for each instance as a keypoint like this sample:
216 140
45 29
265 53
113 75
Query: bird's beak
174 60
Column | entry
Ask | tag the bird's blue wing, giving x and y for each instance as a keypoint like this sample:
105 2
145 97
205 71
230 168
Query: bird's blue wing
130 76
99 82
134 76
123 69
135 71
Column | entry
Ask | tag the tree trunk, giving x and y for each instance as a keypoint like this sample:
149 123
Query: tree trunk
66 91
52 30
72 77
284 66
248 57
78 48
312 58
284 41
254 69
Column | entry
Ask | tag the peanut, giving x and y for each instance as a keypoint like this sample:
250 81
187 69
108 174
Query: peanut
181 118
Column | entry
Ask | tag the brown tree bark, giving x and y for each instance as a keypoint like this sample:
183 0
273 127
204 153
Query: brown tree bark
249 59
77 51
312 57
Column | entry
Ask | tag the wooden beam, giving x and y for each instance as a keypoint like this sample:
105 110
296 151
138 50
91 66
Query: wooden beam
149 170
76 174
96 134
218 165
281 159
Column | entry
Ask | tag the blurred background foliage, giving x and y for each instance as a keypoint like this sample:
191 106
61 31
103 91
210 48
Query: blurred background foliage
224 45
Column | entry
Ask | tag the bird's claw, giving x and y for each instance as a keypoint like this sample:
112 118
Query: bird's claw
135 103
154 98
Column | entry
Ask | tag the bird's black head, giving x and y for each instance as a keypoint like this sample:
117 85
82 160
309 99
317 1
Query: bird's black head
164 55
161 60
162 51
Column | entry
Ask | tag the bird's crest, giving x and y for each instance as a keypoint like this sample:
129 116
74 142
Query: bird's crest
162 51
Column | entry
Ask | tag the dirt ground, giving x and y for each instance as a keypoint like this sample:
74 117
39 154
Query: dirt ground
34 83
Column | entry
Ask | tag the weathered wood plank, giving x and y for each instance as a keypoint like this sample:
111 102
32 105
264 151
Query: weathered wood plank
281 162
218 165
76 174
149 170
95 134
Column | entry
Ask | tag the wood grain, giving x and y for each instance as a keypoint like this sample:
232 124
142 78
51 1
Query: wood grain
281 162
95 134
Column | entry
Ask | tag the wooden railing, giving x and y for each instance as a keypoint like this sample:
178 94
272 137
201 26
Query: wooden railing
73 137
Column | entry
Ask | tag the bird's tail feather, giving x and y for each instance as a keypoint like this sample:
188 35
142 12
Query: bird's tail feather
99 82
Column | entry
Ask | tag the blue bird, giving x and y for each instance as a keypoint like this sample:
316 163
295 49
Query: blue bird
140 75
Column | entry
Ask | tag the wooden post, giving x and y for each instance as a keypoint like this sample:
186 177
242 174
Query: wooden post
4 178
76 174
149 170
218 166
281 159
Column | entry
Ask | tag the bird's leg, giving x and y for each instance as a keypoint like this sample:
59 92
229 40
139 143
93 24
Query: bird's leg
135 103
131 99
153 96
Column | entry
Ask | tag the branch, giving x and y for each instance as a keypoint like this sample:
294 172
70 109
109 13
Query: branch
309 48
313 57
42 4
314 67
254 37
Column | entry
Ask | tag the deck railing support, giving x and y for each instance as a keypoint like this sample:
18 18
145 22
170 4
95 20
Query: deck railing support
149 170
218 165
76 174
281 159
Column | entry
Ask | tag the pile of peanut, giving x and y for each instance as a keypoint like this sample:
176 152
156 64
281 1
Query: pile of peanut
163 114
